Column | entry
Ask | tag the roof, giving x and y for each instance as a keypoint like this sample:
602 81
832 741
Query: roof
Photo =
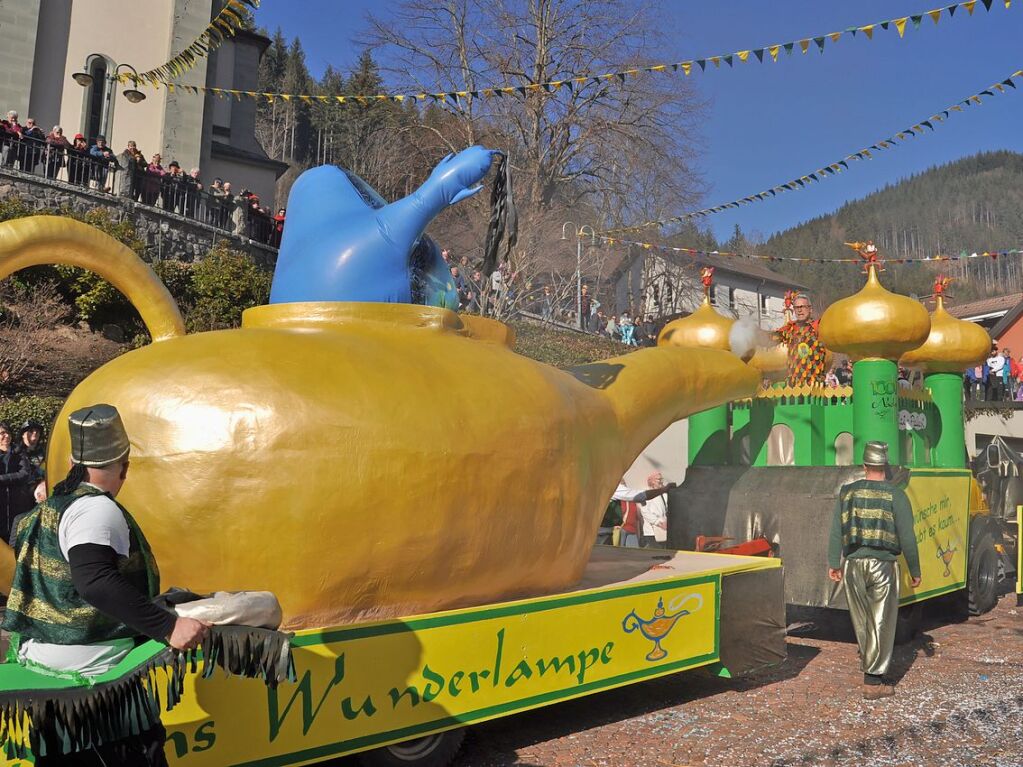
722 263
985 308
1007 321
229 152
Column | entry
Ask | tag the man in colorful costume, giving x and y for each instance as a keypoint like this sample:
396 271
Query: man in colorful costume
806 354
85 579
873 524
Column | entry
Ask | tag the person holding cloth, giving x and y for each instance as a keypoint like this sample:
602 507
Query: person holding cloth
872 525
85 578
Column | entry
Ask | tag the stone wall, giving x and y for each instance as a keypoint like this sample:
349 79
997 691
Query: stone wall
167 235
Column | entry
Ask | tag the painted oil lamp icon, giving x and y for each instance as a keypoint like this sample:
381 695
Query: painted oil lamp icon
660 625
945 555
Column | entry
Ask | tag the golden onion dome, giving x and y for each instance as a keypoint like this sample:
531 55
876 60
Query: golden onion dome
704 328
952 346
874 323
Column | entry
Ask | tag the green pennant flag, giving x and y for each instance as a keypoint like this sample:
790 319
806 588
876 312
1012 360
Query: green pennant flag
916 21
820 43
788 48
844 164
1008 82
727 59
927 123
852 30
986 93
703 64
884 25
987 4
813 176
759 53
952 10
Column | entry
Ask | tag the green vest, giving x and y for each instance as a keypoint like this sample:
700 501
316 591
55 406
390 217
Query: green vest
612 515
44 604
868 516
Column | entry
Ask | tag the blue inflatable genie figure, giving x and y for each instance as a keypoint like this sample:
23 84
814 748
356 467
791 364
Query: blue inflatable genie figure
343 242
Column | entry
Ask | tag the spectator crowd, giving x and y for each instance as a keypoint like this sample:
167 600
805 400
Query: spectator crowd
998 379
22 471
129 174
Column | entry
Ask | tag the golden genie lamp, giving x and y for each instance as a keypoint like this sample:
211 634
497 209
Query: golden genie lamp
360 459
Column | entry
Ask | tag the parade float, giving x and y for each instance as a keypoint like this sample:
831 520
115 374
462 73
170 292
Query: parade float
768 468
257 451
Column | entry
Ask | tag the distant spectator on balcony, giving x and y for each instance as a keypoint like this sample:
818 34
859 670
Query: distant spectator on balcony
103 160
278 231
239 207
78 161
57 147
34 139
172 188
216 201
192 190
611 328
10 138
153 180
133 166
600 322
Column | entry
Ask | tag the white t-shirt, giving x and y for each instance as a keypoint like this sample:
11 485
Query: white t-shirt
995 363
93 519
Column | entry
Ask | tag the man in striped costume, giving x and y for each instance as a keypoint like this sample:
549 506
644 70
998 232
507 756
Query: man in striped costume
873 524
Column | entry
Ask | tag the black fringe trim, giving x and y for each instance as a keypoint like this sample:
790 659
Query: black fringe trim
75 719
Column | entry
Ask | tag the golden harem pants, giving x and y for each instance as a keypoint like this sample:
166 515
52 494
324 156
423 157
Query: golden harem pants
872 591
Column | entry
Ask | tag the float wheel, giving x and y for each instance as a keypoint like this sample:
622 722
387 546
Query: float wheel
982 576
437 750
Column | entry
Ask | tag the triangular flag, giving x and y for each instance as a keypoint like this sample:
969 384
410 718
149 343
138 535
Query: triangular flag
900 25
835 36
727 59
935 15
987 4
885 25
759 53
868 31
788 48
969 6
805 45
952 10
716 60
773 50
703 64
687 67
916 21
743 55
820 43
1009 82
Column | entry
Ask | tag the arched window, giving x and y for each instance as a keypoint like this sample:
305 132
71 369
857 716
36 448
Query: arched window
844 449
781 446
98 104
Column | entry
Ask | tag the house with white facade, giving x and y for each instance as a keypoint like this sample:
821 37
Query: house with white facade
666 284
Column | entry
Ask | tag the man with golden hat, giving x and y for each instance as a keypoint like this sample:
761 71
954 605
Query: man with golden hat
85 578
873 524
806 354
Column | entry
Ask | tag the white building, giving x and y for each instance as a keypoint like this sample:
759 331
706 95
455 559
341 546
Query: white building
665 285
44 42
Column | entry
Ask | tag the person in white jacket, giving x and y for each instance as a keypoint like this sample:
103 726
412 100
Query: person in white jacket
655 515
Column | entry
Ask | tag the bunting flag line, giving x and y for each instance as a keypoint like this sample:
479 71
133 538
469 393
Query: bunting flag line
835 168
225 24
572 82
697 253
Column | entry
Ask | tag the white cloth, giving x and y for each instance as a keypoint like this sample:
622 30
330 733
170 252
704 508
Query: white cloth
655 518
237 608
625 493
92 519
995 363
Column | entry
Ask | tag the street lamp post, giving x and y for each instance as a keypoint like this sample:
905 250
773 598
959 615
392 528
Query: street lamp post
579 234
133 94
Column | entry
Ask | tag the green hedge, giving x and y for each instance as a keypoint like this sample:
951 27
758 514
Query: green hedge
43 409
564 348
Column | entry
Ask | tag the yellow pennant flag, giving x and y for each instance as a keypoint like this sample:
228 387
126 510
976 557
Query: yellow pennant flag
743 55
835 36
773 50
658 68
687 67
805 45
868 31
900 24
935 15
969 6
716 60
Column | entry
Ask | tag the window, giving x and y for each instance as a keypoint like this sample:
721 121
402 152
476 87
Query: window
98 102
844 449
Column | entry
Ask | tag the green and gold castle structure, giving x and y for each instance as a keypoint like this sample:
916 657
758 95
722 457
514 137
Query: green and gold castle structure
771 465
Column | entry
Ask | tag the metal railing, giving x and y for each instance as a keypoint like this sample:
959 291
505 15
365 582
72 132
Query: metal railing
178 193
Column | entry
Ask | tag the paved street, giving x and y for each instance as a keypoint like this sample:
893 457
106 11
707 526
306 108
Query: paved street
960 702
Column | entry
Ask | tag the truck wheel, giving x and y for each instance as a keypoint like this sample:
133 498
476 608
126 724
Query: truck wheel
982 578
908 624
435 750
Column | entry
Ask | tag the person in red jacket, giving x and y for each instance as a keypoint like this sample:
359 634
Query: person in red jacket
630 501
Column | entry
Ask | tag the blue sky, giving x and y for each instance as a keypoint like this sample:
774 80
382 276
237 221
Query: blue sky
768 123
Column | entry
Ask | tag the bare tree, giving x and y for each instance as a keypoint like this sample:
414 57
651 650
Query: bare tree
25 312
623 146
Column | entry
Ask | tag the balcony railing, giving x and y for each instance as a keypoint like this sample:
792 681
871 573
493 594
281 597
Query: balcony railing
173 193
